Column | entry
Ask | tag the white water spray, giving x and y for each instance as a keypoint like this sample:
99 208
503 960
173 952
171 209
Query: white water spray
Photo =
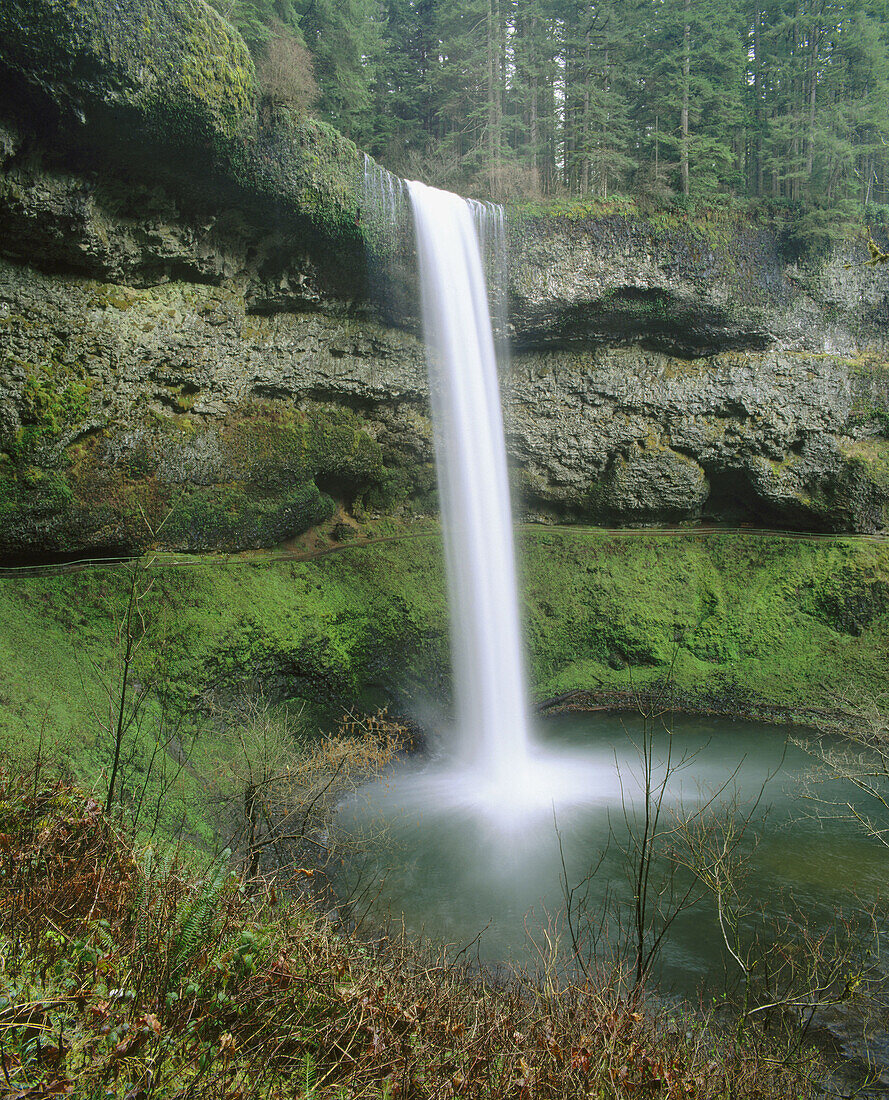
489 685
493 768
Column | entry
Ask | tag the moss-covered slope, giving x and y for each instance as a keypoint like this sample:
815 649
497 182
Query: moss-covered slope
738 621
735 621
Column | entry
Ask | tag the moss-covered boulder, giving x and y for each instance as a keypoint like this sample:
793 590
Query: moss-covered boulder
261 476
175 67
167 89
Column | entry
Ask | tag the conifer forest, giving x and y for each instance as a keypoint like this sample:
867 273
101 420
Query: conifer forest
781 100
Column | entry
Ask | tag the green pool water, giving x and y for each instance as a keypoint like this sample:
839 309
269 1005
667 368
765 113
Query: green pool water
463 865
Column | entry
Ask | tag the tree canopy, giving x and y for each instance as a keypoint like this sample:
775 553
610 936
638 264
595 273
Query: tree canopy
787 100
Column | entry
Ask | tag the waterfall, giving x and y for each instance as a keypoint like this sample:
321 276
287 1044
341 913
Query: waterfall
489 683
493 766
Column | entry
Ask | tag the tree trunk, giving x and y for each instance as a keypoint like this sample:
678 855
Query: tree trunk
657 151
813 89
493 126
534 133
683 122
759 121
586 181
251 813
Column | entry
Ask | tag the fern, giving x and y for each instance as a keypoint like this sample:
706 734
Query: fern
106 941
310 1076
196 916
155 871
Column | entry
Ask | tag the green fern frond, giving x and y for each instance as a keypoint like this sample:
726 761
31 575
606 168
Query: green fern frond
310 1076
155 870
197 915
106 941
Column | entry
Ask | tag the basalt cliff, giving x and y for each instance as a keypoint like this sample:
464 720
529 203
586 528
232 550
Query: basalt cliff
199 348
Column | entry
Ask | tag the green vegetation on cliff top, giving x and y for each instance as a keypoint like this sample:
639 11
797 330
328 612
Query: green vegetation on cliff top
175 75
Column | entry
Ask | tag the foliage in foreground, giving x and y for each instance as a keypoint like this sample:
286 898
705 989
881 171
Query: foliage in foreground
125 976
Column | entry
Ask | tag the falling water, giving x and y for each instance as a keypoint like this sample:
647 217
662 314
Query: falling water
384 195
492 766
490 222
471 461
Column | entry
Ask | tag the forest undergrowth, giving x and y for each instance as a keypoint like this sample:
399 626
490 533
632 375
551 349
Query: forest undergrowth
128 973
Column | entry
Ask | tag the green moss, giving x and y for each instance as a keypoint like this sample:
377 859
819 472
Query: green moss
654 304
34 496
575 209
176 61
232 516
869 412
54 401
413 485
55 397
868 462
702 227
119 297
276 471
307 167
869 365
785 621
726 612
270 444
329 633
217 69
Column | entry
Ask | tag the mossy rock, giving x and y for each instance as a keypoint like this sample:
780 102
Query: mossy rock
176 64
270 444
867 478
229 516
31 498
264 475
305 167
167 89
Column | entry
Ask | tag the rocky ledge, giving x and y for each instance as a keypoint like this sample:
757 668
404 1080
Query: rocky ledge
191 356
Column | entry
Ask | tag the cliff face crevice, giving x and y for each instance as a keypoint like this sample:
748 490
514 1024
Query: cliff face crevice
631 436
668 285
193 352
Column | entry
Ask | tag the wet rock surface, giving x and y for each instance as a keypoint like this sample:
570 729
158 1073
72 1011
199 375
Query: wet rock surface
117 399
193 354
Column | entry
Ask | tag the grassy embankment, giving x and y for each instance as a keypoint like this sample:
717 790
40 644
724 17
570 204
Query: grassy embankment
743 624
125 976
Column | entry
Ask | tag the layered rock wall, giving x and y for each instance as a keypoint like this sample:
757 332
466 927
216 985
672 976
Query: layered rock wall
192 353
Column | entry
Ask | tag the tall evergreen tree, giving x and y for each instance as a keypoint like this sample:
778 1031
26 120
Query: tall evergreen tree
345 41
695 89
781 98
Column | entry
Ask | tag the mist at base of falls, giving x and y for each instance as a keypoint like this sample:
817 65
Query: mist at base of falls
507 800
452 862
